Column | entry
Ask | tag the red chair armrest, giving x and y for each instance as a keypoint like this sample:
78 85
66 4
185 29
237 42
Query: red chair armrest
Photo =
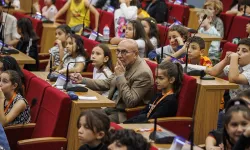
43 143
171 119
18 132
131 112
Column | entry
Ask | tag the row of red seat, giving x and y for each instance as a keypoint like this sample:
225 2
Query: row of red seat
49 118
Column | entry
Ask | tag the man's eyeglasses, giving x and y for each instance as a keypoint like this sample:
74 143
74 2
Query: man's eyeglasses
123 52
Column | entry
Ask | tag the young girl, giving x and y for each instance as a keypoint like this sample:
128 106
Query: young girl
169 78
15 109
10 63
216 7
177 35
102 62
14 3
135 30
28 41
237 119
150 26
57 52
49 10
75 53
93 130
104 4
80 14
127 11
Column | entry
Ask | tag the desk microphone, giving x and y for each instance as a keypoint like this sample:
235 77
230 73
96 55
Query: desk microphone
75 88
186 63
51 77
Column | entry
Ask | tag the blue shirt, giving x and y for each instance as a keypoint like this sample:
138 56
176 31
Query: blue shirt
3 139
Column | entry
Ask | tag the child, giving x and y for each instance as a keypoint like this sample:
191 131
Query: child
105 4
151 29
236 67
93 130
135 30
14 3
28 41
49 10
242 11
80 14
15 109
10 63
243 142
57 52
208 28
237 119
216 7
127 11
102 62
177 35
169 78
75 53
195 52
127 139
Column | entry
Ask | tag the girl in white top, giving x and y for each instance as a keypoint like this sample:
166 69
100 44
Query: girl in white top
76 55
151 29
102 62
127 11
135 30
49 10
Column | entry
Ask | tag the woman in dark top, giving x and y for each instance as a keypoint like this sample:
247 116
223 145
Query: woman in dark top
169 78
236 121
28 42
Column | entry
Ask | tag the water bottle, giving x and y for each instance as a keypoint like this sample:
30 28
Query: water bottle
106 33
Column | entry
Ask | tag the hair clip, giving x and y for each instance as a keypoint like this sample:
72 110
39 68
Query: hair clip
237 103
152 21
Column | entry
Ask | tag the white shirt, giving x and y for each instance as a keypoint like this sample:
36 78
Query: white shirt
154 42
67 59
104 74
16 4
245 70
50 12
10 29
122 16
141 47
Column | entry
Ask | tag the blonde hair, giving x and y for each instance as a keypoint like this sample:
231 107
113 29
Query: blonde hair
205 12
217 4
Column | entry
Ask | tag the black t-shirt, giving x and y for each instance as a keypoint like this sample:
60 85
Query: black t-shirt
99 147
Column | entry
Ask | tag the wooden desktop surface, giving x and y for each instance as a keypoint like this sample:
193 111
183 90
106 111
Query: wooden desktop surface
22 58
146 135
77 107
193 18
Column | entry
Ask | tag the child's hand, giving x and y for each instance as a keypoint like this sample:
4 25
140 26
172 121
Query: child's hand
76 78
234 55
227 57
179 41
58 42
36 6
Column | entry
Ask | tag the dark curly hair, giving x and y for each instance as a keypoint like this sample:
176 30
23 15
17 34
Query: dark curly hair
130 139
198 40
245 41
181 30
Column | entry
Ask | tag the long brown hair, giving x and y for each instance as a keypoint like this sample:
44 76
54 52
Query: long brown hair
15 78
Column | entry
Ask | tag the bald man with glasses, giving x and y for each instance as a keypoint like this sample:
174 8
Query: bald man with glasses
130 85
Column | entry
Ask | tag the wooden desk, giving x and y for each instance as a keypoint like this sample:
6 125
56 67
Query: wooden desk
48 36
209 95
26 5
23 59
77 107
208 39
146 135
193 18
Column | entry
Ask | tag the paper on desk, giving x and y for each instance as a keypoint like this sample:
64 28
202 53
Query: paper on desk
91 98
59 87
194 67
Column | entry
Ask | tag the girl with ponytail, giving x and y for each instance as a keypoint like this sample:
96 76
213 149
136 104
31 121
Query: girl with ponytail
169 77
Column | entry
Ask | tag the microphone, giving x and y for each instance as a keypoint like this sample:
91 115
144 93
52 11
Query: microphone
3 26
51 76
31 8
75 88
186 63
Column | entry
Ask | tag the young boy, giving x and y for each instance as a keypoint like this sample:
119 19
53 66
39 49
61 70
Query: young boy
177 35
195 52
236 66
207 28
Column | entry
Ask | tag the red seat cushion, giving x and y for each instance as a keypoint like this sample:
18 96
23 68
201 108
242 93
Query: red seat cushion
53 118
27 76
228 47
36 92
238 28
163 34
227 20
179 12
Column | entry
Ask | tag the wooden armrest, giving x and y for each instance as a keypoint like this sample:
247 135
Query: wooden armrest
29 125
42 140
43 54
202 145
44 61
60 21
166 119
135 108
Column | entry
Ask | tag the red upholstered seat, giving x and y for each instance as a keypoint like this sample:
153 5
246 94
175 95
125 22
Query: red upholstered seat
226 4
227 20
163 34
35 92
105 18
28 76
180 124
238 28
152 66
228 47
179 12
